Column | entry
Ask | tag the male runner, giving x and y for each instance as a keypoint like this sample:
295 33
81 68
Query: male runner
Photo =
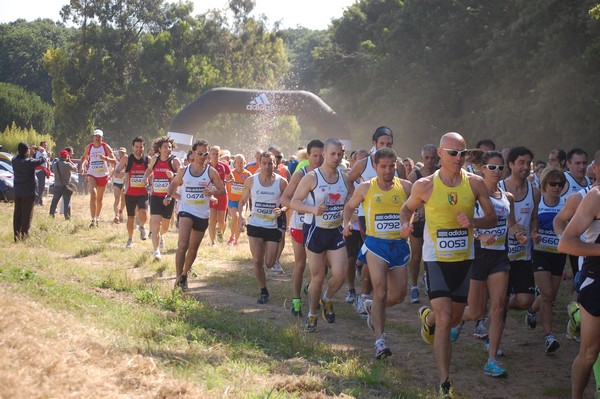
218 207
315 157
163 167
98 154
386 252
118 184
195 180
449 197
557 158
265 187
282 171
136 194
321 195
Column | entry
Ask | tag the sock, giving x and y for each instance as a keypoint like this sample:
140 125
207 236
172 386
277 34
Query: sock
325 298
414 287
264 291
491 359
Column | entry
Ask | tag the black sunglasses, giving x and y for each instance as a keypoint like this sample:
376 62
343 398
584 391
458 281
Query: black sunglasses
453 153
278 156
494 167
202 153
556 184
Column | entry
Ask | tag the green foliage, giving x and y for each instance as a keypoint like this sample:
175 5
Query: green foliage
24 109
13 135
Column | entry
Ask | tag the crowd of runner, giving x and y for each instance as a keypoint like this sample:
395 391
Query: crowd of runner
492 229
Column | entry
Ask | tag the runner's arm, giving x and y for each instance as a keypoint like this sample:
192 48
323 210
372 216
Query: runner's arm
489 219
570 242
566 213
217 182
357 198
286 196
304 187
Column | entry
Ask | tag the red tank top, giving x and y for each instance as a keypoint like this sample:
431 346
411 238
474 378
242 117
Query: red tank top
161 181
137 185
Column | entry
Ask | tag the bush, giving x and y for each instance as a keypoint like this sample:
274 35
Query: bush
12 136
24 108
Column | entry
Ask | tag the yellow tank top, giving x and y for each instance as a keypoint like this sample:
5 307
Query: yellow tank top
382 210
444 240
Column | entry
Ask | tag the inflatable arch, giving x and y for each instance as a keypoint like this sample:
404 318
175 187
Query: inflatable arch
300 103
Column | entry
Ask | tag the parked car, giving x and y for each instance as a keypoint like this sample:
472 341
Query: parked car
7 185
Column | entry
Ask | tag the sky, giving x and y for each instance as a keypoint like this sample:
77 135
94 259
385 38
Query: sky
312 14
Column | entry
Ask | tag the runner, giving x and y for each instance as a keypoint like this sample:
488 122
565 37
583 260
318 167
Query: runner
430 161
252 167
119 194
548 263
163 167
315 157
282 170
586 221
557 158
386 252
321 195
218 207
449 197
234 192
265 187
198 182
97 154
136 194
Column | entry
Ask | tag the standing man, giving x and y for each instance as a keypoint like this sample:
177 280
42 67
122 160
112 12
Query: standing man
41 172
136 196
315 159
449 197
62 175
386 252
321 195
430 161
577 161
586 222
195 180
218 207
265 187
95 158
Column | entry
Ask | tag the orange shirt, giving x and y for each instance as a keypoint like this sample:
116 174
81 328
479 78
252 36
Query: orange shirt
234 189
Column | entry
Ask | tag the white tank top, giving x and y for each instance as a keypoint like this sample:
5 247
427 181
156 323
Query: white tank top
97 166
523 211
264 200
193 200
502 208
333 196
575 187
366 175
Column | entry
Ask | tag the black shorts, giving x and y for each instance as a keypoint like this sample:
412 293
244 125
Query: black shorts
263 233
319 240
131 201
487 262
118 185
589 296
548 262
199 224
449 280
158 208
520 277
353 244
282 221
418 228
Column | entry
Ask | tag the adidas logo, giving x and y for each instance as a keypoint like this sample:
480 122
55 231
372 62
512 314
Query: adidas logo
260 103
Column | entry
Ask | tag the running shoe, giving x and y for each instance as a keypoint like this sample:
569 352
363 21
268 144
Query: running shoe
327 311
143 234
311 324
481 330
96 223
220 236
351 295
231 241
492 368
414 295
455 331
162 243
263 298
499 352
212 244
381 349
446 390
551 344
368 305
427 331
183 282
277 269
359 305
129 243
121 219
296 307
573 330
116 220
93 224
157 255
531 320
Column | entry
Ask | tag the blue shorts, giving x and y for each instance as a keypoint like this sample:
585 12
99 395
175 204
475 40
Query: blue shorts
395 253
233 204
319 240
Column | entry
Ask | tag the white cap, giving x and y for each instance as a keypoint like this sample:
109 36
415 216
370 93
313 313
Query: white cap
98 132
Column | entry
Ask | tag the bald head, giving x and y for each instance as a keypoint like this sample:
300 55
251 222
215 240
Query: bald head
453 140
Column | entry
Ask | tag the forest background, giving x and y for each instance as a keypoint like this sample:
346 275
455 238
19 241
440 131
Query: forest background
522 72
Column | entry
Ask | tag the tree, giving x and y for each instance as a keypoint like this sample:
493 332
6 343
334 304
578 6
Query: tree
24 109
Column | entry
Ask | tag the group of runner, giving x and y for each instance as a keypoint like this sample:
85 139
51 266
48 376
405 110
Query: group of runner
485 227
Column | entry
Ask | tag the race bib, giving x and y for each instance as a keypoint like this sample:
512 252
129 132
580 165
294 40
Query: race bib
194 196
264 210
548 241
332 217
452 240
237 188
387 225
160 185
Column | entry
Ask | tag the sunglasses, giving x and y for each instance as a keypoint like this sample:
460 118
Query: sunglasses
279 156
453 153
202 153
556 184
494 167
